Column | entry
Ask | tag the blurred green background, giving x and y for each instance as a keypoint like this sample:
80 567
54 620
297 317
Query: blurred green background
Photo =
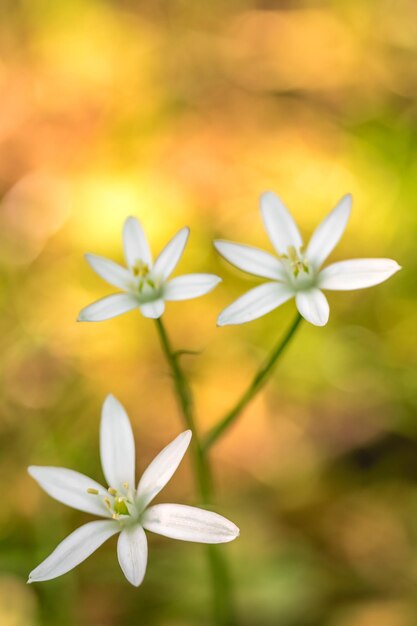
181 113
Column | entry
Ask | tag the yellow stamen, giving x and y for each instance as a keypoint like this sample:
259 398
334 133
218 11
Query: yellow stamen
292 254
94 492
141 269
108 504
298 263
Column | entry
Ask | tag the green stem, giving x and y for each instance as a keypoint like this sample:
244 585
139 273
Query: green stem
185 400
257 383
221 583
220 579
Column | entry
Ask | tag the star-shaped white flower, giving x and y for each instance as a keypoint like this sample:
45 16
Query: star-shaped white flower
125 507
145 283
296 272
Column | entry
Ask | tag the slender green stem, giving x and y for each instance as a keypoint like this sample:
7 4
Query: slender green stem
221 583
257 383
219 574
185 400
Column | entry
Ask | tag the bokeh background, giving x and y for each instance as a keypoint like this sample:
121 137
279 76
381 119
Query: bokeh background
180 113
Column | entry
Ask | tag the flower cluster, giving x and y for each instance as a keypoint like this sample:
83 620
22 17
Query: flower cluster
293 271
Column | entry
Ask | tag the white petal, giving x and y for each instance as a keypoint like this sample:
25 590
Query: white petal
251 260
171 254
357 273
70 488
328 233
108 307
132 552
162 468
189 523
280 226
313 306
135 244
153 309
110 271
74 550
117 446
190 286
255 303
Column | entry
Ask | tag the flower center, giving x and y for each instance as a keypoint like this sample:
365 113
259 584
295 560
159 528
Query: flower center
146 286
120 504
297 262
141 269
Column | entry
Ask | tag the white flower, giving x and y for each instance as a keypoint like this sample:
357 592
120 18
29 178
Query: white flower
145 283
125 508
295 271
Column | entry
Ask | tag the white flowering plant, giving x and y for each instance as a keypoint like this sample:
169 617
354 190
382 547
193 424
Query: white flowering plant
293 271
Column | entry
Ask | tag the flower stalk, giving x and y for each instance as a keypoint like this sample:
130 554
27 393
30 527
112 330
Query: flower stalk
257 383
222 593
185 401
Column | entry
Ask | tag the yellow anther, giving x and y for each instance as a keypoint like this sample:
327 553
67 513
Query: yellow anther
94 492
112 491
295 257
292 254
125 485
108 504
141 269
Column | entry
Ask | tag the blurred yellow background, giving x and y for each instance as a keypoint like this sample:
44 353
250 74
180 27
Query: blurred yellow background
182 113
